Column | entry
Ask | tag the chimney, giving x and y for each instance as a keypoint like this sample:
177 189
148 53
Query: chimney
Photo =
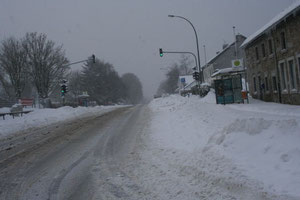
224 46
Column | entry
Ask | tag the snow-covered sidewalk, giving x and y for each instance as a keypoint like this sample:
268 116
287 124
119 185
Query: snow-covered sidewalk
44 117
246 149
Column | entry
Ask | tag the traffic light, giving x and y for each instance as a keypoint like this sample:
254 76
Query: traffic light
93 58
196 76
64 88
161 52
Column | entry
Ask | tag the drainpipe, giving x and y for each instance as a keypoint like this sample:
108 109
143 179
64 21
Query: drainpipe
277 70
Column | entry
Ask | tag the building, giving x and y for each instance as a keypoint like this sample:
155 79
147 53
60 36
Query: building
273 58
224 58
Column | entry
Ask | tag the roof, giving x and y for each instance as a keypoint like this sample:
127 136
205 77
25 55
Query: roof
275 21
221 52
227 71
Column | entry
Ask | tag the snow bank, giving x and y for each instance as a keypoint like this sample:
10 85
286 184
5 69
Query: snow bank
257 141
43 117
268 149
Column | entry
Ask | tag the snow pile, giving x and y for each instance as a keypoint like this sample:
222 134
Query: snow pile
246 145
268 149
43 117
175 126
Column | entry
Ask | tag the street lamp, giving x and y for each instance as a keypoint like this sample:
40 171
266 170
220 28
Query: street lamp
199 66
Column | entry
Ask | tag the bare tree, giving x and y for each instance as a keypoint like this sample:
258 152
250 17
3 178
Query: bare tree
7 91
170 84
13 59
184 65
46 62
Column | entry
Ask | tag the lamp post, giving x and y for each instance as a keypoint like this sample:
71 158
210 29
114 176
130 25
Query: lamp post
199 66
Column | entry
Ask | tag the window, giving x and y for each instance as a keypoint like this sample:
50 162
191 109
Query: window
259 84
274 83
283 75
299 65
292 74
266 83
263 49
270 46
256 53
282 40
254 84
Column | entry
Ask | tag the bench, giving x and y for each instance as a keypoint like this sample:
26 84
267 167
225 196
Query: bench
26 102
13 114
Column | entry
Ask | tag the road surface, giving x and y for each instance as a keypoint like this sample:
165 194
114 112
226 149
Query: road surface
77 160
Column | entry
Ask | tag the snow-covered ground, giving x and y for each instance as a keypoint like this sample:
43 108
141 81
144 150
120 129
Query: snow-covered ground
44 117
243 148
195 149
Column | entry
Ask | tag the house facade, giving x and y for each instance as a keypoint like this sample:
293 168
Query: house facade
224 58
273 59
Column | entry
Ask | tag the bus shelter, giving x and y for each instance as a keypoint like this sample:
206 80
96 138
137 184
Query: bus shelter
228 86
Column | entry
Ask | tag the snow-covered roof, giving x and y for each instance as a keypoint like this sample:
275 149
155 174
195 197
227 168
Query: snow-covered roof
227 71
276 20
221 52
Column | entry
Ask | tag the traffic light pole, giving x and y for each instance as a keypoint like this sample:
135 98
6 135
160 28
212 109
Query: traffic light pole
93 59
64 100
64 86
185 52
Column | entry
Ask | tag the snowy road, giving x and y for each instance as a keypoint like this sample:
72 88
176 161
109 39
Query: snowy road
174 148
79 161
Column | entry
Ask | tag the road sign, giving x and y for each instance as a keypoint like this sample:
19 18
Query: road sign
237 63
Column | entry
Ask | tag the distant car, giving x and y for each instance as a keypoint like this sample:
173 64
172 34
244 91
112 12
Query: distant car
156 96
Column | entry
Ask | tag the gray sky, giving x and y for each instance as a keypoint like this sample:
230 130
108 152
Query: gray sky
128 33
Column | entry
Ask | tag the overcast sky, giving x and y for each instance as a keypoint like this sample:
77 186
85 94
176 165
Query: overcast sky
128 33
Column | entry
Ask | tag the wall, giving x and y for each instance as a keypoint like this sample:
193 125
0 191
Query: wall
268 67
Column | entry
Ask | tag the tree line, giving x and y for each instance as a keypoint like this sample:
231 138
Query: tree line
35 66
103 84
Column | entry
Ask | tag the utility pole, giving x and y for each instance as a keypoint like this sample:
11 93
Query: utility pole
197 43
236 48
205 55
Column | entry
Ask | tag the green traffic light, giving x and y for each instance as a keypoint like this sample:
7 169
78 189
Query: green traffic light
161 52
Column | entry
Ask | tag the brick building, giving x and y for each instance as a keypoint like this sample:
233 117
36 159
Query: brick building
273 58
